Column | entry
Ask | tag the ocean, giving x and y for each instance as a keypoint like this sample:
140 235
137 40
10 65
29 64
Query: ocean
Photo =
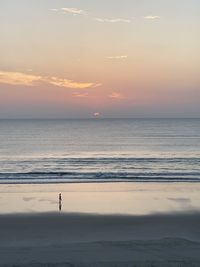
99 150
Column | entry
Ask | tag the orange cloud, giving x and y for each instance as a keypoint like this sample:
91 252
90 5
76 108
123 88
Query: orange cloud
81 95
18 78
69 83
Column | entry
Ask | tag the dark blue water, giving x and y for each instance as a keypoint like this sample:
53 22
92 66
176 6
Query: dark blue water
45 151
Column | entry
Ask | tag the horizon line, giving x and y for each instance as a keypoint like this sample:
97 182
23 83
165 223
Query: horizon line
104 118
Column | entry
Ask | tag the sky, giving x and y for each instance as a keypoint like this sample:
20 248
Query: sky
108 58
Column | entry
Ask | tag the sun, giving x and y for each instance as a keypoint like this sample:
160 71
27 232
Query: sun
96 114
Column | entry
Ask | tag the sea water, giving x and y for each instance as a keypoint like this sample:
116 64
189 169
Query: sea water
99 150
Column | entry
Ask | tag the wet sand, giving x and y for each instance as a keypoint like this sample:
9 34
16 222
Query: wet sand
99 240
103 198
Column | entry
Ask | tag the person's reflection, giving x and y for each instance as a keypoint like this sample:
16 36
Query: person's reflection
60 202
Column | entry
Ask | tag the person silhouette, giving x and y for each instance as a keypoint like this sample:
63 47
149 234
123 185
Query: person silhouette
60 202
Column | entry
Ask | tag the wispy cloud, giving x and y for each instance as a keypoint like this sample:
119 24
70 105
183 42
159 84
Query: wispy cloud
152 17
72 10
116 20
76 11
80 94
18 78
69 83
117 57
116 95
54 9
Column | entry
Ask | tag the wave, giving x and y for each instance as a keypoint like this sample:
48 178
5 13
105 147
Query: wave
100 169
65 177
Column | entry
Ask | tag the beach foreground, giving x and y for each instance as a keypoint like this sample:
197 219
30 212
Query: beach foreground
60 239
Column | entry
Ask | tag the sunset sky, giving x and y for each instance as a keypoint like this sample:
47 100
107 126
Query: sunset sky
108 58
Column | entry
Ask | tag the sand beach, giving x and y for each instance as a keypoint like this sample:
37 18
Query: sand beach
78 238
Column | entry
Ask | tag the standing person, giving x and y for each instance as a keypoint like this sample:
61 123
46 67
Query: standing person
60 202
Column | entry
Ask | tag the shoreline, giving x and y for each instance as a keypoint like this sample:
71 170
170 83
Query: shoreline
188 181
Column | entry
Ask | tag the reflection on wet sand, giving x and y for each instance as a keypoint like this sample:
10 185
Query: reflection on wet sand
110 198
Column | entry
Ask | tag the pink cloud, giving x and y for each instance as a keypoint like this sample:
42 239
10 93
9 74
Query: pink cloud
116 95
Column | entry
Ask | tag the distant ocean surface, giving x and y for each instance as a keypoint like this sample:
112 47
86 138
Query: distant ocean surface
99 150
